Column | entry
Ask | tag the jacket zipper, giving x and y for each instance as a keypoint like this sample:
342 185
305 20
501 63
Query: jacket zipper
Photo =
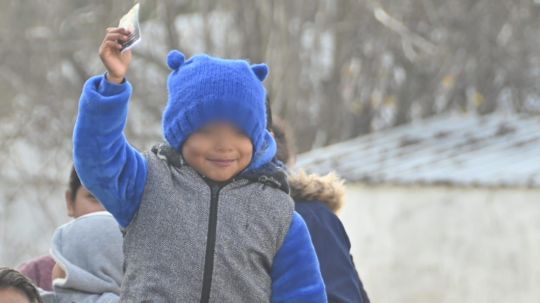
210 243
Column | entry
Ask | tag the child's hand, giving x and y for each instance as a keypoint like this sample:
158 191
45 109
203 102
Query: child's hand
116 62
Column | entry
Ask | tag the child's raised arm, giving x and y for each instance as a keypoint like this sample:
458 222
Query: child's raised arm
296 276
107 165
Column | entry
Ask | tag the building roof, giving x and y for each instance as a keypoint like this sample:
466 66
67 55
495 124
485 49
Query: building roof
465 150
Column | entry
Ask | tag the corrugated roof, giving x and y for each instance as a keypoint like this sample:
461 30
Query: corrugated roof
493 150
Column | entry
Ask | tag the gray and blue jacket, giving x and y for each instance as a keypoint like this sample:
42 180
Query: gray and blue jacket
188 239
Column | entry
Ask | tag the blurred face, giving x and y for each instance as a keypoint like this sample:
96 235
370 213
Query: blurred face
58 272
219 151
84 203
12 295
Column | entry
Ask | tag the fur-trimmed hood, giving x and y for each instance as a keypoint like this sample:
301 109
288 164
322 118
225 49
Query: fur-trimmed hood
328 189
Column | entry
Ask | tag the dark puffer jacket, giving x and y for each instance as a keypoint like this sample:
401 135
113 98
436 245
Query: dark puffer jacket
317 199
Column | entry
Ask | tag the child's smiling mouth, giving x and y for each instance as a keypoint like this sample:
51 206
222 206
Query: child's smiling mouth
222 162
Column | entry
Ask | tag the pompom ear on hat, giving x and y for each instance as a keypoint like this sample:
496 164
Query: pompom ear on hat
175 59
260 70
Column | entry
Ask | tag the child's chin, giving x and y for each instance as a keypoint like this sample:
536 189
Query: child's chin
221 177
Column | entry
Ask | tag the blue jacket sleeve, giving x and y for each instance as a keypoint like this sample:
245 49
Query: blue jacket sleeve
112 170
295 272
343 285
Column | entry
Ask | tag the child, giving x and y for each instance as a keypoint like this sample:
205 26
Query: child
79 202
16 288
88 256
317 199
207 217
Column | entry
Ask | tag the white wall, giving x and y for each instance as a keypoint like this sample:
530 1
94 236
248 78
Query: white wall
441 244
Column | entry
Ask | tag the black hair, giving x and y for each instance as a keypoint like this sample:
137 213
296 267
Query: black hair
74 183
285 144
282 135
10 278
269 121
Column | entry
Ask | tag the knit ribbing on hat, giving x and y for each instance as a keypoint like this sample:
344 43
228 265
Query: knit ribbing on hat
204 89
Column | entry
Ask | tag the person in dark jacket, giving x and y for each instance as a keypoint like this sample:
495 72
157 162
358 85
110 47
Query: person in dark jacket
317 199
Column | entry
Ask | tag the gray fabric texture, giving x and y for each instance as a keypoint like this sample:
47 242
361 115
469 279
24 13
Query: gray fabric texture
165 244
89 250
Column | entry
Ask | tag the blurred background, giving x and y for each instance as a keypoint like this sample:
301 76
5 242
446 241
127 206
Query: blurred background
429 109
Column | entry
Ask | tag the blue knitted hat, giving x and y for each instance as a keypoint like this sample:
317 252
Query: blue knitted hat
206 89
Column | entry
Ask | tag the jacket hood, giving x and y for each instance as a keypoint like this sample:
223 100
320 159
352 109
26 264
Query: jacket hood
89 250
328 189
